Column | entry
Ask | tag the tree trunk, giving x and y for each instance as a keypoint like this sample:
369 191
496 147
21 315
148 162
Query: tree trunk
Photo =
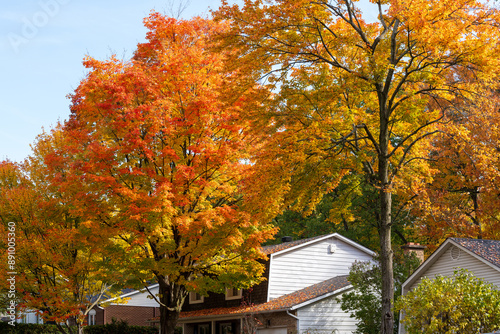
79 328
474 194
171 298
386 264
168 320
387 324
64 328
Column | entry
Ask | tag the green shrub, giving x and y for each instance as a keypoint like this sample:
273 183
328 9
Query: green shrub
460 304
119 327
5 328
113 328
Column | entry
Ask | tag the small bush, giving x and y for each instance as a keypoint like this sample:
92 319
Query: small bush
114 328
119 328
5 328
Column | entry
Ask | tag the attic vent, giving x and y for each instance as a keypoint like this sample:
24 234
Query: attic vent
455 253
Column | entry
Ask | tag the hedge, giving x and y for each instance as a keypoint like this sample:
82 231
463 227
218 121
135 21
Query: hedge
119 328
114 328
5 328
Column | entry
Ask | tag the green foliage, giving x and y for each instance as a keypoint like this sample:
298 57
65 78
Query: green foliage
459 304
301 225
119 328
5 328
350 209
364 300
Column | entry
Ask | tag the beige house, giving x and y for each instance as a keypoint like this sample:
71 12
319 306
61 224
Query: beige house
480 257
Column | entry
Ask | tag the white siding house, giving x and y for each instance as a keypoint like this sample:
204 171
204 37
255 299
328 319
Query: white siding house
140 298
304 280
325 316
313 262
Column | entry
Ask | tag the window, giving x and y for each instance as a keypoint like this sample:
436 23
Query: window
195 298
455 253
233 293
202 329
226 328
91 320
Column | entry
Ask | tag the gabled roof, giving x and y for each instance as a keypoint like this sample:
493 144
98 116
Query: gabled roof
486 251
127 293
292 245
271 249
290 301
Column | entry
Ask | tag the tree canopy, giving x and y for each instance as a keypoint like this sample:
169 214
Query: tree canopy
57 270
462 198
157 151
172 163
356 96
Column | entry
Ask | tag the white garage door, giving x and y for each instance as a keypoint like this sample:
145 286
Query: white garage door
272 331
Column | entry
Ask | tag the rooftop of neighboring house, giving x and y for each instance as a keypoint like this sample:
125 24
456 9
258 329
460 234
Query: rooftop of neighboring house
286 302
287 244
487 249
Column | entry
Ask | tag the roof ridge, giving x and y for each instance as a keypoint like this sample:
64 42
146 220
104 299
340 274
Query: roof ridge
270 249
487 249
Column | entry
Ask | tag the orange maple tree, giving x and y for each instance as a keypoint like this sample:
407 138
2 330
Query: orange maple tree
463 198
353 95
158 148
57 272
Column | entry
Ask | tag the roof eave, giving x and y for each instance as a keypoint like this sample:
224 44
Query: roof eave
227 316
433 258
478 257
130 294
326 295
336 235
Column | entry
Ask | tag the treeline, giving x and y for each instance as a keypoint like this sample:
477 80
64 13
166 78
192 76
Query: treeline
174 166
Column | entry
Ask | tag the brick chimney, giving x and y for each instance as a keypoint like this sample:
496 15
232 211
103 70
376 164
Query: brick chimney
416 248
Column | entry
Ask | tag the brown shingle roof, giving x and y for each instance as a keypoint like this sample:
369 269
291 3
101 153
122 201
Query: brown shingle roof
284 302
285 245
487 249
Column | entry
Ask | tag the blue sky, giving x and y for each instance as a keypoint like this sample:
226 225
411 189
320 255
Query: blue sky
42 44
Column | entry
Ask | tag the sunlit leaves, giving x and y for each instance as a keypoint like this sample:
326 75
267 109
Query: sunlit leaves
462 197
159 147
58 271
461 303
353 96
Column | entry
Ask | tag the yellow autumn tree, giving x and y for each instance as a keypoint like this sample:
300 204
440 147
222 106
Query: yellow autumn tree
353 95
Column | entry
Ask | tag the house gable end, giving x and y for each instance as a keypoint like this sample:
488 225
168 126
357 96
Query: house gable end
442 262
139 298
325 315
313 262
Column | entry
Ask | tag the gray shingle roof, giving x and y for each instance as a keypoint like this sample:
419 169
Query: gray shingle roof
271 249
487 249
